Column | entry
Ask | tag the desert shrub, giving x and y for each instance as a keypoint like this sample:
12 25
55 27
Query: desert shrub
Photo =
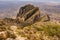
50 29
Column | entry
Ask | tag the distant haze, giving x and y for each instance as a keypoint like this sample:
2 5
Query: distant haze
35 0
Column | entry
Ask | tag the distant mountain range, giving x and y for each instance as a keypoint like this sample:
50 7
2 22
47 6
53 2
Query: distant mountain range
10 8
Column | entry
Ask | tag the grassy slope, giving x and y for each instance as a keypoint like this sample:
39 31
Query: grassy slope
38 31
42 30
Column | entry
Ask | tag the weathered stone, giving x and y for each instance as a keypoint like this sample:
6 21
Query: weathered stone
14 28
45 18
3 35
28 14
9 39
20 38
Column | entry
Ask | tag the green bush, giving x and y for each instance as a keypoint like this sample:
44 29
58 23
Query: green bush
50 29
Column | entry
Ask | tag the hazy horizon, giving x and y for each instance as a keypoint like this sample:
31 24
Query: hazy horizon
52 1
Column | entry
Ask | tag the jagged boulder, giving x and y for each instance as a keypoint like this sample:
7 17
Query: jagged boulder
28 14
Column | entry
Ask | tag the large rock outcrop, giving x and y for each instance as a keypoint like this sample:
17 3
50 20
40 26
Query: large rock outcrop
29 14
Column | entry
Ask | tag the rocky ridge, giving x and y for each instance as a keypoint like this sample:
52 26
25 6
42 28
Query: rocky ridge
29 25
27 15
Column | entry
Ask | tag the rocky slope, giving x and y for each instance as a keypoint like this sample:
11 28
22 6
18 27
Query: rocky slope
29 25
38 31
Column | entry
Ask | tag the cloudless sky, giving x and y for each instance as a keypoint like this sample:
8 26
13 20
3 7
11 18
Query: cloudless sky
35 0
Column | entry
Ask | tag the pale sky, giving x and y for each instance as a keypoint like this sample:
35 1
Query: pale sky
35 0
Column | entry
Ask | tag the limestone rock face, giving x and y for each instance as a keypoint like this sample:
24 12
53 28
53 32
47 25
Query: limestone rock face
28 14
24 10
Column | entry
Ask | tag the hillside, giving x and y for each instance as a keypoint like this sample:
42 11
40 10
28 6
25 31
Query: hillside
38 31
29 24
